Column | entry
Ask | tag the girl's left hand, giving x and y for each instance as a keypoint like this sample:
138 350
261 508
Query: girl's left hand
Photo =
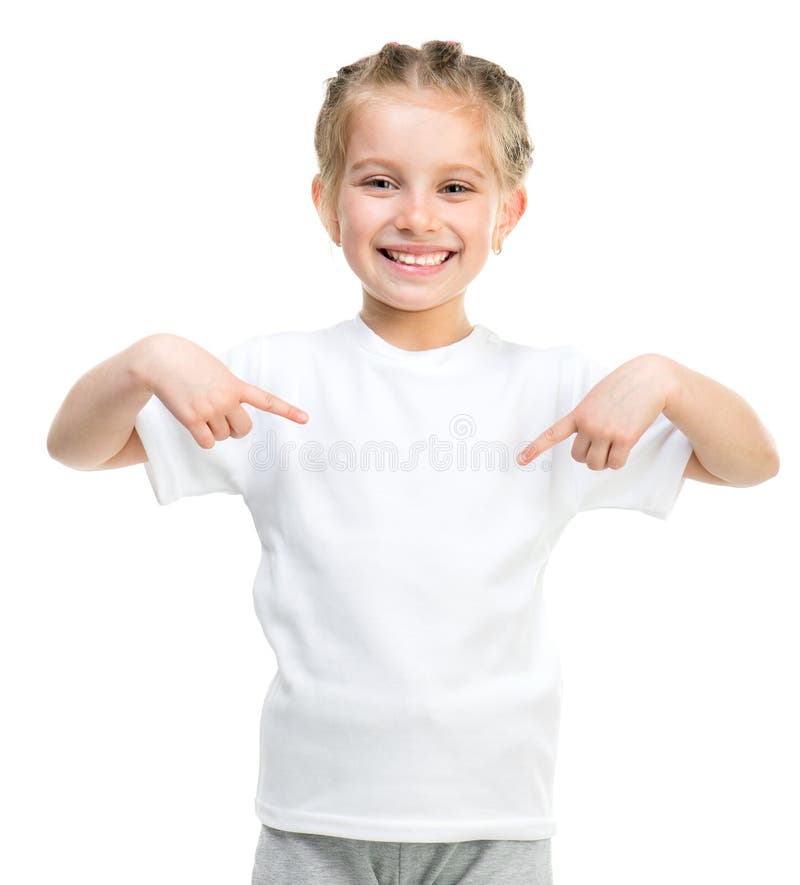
612 417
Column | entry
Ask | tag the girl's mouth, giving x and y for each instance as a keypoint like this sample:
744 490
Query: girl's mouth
424 270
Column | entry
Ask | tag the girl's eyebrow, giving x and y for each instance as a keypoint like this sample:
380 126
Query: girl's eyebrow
455 167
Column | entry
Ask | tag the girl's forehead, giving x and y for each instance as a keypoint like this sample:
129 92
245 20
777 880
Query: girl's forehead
427 125
405 99
380 119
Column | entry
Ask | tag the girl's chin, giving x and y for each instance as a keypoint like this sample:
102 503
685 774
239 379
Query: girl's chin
413 301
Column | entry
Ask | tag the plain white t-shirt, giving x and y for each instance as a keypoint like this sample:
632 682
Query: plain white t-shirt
418 690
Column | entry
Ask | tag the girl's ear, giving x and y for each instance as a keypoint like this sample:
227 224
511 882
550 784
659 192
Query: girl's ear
316 188
512 209
331 225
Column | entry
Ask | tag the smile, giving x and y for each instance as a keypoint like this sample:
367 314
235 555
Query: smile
406 266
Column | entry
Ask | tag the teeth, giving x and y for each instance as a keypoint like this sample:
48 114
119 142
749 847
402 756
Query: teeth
431 258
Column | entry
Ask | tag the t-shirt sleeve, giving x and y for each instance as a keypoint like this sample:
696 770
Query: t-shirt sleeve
652 476
177 466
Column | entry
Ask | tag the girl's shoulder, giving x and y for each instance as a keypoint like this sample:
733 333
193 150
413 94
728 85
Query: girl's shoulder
527 351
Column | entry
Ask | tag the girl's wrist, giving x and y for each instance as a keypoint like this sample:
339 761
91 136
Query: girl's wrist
144 359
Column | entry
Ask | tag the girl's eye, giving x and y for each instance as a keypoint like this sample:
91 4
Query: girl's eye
376 181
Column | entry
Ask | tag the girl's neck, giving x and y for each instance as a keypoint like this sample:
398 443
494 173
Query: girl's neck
423 329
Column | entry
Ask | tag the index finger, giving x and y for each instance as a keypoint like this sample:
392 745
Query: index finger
556 433
268 402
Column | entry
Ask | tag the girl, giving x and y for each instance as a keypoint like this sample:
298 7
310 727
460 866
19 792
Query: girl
407 515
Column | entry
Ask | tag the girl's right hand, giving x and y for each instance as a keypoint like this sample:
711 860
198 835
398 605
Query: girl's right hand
203 394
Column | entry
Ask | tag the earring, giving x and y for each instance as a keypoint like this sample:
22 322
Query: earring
498 251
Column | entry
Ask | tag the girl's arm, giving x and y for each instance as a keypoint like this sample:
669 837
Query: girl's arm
96 419
730 441
730 444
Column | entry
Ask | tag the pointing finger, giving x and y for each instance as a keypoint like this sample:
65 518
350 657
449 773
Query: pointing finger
268 402
554 434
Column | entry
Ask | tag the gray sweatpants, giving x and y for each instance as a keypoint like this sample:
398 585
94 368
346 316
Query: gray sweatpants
288 858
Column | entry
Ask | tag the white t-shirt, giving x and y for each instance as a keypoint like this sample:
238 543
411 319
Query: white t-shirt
418 690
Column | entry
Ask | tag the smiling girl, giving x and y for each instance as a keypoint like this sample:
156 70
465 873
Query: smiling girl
410 732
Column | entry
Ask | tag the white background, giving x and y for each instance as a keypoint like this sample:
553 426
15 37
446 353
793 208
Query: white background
156 170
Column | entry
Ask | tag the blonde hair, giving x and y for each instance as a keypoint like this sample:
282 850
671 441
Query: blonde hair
482 86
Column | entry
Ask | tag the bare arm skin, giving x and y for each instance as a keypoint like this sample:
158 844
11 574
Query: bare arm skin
94 428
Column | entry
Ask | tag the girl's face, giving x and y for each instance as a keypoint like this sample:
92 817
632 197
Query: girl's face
415 175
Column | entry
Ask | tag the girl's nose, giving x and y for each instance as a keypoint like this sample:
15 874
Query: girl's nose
416 211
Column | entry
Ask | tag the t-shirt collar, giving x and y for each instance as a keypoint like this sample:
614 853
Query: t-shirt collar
462 348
